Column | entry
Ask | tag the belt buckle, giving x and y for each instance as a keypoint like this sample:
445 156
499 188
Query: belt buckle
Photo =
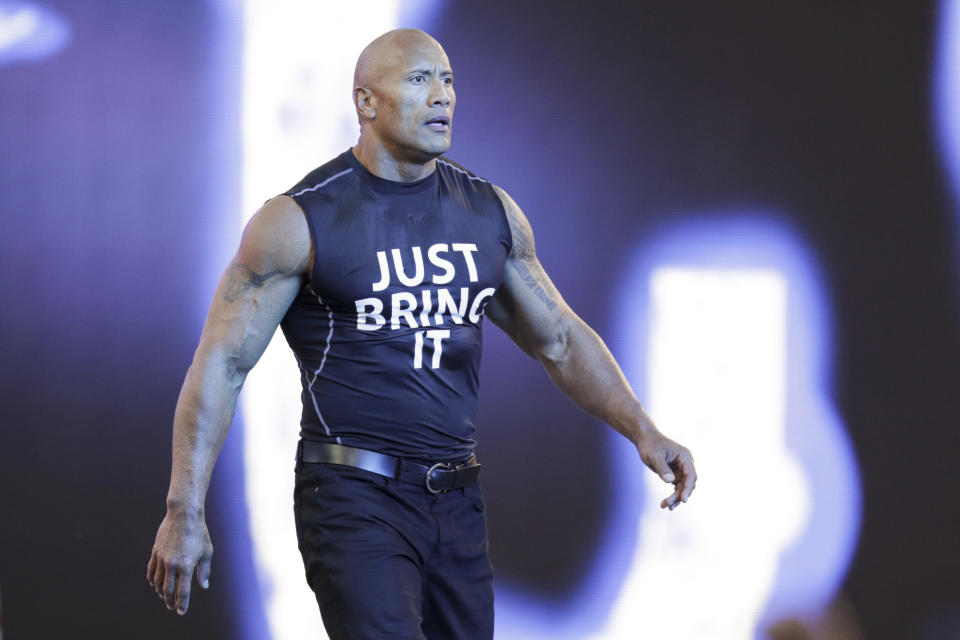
446 466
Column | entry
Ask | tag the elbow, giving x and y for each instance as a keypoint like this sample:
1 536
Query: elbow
237 369
222 363
553 348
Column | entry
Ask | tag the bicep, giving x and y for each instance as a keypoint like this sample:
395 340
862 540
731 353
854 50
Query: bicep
245 312
258 286
527 306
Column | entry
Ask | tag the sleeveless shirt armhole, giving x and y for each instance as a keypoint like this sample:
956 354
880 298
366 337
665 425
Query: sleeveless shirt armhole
314 244
504 218
471 177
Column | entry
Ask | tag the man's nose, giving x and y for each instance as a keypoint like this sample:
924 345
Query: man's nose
440 93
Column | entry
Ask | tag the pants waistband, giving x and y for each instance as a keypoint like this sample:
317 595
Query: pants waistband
437 478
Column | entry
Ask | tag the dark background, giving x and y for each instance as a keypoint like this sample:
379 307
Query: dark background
118 161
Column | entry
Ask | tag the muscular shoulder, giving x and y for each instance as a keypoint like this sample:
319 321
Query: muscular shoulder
277 239
520 230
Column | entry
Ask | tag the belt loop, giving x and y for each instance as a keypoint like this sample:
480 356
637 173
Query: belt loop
397 472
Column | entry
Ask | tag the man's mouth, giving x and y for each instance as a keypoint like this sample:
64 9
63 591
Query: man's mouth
439 123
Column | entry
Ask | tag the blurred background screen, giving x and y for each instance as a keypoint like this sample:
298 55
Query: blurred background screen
755 205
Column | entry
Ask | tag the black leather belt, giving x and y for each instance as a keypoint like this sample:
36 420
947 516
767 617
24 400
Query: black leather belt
436 478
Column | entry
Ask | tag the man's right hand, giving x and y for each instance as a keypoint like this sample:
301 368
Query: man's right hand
182 546
253 296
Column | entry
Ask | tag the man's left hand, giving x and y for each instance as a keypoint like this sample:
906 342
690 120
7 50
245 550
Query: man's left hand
673 463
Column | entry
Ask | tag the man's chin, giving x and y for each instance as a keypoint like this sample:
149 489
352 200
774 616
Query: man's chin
437 145
440 148
424 151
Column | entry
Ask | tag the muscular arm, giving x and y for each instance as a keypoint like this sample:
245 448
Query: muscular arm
531 311
252 297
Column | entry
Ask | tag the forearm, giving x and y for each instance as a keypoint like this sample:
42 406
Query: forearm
581 365
202 419
253 295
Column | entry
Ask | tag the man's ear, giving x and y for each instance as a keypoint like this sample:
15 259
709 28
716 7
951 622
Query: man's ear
365 102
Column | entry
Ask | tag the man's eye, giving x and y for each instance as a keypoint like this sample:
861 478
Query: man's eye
417 79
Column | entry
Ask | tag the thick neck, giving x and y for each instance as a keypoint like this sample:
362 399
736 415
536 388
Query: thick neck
389 186
373 155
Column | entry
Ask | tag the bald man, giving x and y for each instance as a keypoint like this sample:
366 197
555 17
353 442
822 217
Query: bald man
379 267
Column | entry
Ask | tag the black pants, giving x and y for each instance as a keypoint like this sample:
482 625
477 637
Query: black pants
387 559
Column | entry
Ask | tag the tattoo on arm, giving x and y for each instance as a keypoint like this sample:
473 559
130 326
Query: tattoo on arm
524 252
533 283
522 235
241 278
520 232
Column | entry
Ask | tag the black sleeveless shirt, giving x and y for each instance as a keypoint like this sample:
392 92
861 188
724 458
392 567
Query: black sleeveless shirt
387 330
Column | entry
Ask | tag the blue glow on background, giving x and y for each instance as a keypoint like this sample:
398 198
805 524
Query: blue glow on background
233 567
29 32
812 569
946 100
522 615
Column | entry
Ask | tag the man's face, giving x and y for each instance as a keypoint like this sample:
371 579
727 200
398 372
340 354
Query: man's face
414 103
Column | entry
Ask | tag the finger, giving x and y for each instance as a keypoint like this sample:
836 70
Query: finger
152 566
203 570
170 585
662 469
670 501
689 484
183 591
160 574
689 477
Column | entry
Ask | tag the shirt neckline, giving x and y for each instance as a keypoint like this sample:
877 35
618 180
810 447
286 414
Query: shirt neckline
389 186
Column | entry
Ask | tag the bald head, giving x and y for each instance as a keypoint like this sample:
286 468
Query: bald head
390 53
403 92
